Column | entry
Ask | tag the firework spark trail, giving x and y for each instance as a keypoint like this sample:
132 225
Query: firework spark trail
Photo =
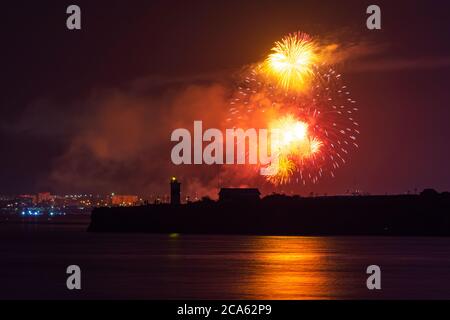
305 98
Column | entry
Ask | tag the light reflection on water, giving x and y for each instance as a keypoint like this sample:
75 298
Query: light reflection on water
284 268
125 266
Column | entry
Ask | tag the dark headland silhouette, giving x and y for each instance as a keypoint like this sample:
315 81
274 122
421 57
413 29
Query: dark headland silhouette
241 211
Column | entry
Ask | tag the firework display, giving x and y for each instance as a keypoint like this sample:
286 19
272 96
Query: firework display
299 93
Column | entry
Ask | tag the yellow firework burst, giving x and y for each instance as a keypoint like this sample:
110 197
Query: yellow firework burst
291 61
284 168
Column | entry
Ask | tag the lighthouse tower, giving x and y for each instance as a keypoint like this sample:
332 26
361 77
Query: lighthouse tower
175 192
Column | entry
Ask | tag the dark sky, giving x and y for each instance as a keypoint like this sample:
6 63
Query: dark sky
58 84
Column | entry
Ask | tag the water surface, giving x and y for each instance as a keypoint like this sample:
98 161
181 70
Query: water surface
33 260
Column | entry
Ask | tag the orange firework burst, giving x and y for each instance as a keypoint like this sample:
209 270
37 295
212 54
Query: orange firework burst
294 138
306 101
294 145
291 61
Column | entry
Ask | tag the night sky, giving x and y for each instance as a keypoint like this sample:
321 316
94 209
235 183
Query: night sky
93 110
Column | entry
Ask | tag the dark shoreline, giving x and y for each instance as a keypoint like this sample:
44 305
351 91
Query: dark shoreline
406 215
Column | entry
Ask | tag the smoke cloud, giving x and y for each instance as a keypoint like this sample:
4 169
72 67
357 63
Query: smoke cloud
122 142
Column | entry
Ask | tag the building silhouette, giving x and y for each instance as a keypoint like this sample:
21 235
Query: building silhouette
239 195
